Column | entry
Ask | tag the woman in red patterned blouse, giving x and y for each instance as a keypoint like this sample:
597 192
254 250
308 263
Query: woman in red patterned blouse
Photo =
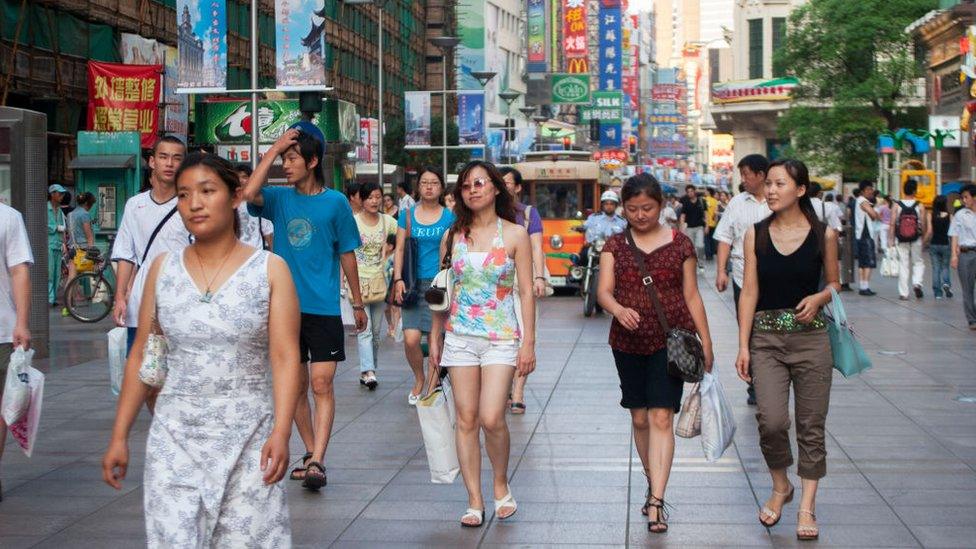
636 336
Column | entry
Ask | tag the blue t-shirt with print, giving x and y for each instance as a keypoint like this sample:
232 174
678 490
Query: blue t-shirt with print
428 241
315 230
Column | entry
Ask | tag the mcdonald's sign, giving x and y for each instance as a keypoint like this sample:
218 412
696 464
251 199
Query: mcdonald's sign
578 65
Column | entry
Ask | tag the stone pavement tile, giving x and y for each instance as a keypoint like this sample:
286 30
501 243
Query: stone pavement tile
79 539
947 515
840 535
20 542
418 531
302 509
27 506
556 532
740 512
318 533
924 480
702 535
897 496
387 545
946 536
691 496
39 524
56 488
108 523
844 514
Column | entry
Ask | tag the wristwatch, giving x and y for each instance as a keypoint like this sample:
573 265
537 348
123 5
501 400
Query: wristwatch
359 307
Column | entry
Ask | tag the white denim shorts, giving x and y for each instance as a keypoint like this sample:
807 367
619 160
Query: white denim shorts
461 350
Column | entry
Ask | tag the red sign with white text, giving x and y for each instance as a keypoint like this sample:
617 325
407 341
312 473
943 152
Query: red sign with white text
574 37
124 98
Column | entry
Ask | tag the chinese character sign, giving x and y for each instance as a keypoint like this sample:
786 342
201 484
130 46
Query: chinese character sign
611 32
471 118
124 98
298 37
574 36
201 28
536 42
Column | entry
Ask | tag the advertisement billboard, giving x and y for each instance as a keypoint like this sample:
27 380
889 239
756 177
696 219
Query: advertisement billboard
536 55
123 98
570 89
417 118
471 118
230 122
202 37
299 30
470 53
575 50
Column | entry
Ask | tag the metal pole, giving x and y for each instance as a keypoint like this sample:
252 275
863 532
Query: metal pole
379 137
444 115
938 172
255 127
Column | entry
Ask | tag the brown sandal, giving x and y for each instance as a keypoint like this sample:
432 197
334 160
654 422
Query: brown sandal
295 472
315 476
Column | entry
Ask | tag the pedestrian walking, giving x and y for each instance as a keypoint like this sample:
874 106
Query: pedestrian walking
390 206
637 338
908 225
320 235
693 221
352 195
529 218
883 225
255 231
374 229
864 236
937 236
81 238
56 227
484 345
218 442
744 210
711 222
405 194
426 223
148 228
962 230
783 335
15 295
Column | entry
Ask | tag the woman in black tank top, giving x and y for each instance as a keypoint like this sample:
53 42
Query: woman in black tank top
783 337
937 235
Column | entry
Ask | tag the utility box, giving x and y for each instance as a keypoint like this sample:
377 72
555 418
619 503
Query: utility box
109 165
23 186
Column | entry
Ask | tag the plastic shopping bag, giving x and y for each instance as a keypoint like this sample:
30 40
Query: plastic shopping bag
890 265
16 388
436 414
116 357
24 431
717 421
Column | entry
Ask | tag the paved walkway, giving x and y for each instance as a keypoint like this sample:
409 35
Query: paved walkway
902 451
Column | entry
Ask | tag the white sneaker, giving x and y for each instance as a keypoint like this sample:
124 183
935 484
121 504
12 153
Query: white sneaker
413 399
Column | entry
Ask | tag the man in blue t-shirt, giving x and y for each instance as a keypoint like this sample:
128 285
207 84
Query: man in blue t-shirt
317 234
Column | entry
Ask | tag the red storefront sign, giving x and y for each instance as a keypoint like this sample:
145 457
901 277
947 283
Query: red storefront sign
124 98
574 36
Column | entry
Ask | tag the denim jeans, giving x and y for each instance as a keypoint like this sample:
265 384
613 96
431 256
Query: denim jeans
940 255
369 339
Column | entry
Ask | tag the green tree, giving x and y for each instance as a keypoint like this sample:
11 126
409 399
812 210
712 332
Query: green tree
395 152
856 67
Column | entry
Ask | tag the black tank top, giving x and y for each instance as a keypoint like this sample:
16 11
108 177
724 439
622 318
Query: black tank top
940 230
784 280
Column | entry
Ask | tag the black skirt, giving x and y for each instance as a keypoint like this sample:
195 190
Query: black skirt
645 383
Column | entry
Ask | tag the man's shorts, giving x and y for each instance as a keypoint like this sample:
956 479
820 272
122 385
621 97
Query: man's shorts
462 350
321 338
867 257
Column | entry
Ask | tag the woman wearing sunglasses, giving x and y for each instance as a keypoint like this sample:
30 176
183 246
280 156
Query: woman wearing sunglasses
484 346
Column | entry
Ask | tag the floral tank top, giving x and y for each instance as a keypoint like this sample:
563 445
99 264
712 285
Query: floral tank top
482 304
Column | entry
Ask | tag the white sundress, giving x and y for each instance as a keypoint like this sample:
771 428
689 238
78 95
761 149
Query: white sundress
203 482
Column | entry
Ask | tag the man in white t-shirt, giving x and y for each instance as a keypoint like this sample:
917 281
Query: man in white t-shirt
907 226
15 293
403 192
864 217
742 212
149 212
255 231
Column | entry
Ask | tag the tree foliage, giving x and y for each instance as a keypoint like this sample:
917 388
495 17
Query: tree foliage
395 151
856 67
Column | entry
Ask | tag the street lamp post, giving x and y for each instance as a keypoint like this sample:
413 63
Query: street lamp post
539 119
446 44
509 97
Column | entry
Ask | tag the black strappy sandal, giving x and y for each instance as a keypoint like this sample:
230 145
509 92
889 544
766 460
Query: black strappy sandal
315 480
647 496
296 470
660 525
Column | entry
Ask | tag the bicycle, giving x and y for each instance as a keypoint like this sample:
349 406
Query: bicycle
89 296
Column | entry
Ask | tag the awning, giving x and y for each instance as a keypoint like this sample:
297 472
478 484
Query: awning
96 161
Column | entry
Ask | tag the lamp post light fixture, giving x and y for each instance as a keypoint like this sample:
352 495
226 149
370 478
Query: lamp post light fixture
509 97
539 120
446 44
379 83
483 76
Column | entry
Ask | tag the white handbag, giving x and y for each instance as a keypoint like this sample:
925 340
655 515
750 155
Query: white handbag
441 291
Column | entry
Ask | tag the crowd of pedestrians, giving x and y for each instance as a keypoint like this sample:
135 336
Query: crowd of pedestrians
247 281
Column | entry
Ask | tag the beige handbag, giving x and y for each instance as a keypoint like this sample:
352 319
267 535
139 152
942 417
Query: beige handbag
689 420
373 289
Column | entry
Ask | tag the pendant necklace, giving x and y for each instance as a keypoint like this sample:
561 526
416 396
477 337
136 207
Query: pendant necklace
208 294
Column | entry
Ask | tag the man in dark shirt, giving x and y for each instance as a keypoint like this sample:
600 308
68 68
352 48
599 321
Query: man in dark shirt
693 221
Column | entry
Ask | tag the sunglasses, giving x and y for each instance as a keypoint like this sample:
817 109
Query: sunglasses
478 183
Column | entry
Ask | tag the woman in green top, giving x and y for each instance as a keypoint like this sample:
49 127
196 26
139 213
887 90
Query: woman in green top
55 240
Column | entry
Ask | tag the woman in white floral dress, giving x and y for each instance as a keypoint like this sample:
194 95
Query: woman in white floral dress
218 444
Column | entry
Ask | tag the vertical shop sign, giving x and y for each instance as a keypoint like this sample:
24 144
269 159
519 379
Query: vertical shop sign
124 98
299 56
202 38
535 13
574 37
609 72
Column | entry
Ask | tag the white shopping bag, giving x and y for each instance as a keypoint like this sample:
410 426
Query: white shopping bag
16 388
436 414
717 420
890 265
116 357
24 430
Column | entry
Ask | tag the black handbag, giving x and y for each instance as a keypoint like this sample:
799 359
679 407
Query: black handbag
408 270
686 357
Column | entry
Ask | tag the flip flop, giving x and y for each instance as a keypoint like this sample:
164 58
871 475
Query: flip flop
476 513
517 408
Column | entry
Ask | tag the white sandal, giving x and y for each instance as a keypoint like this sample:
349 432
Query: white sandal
773 515
507 501
807 533
475 513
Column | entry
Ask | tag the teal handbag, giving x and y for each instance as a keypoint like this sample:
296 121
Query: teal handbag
850 358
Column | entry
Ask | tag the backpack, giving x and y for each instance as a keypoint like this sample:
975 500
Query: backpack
907 226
